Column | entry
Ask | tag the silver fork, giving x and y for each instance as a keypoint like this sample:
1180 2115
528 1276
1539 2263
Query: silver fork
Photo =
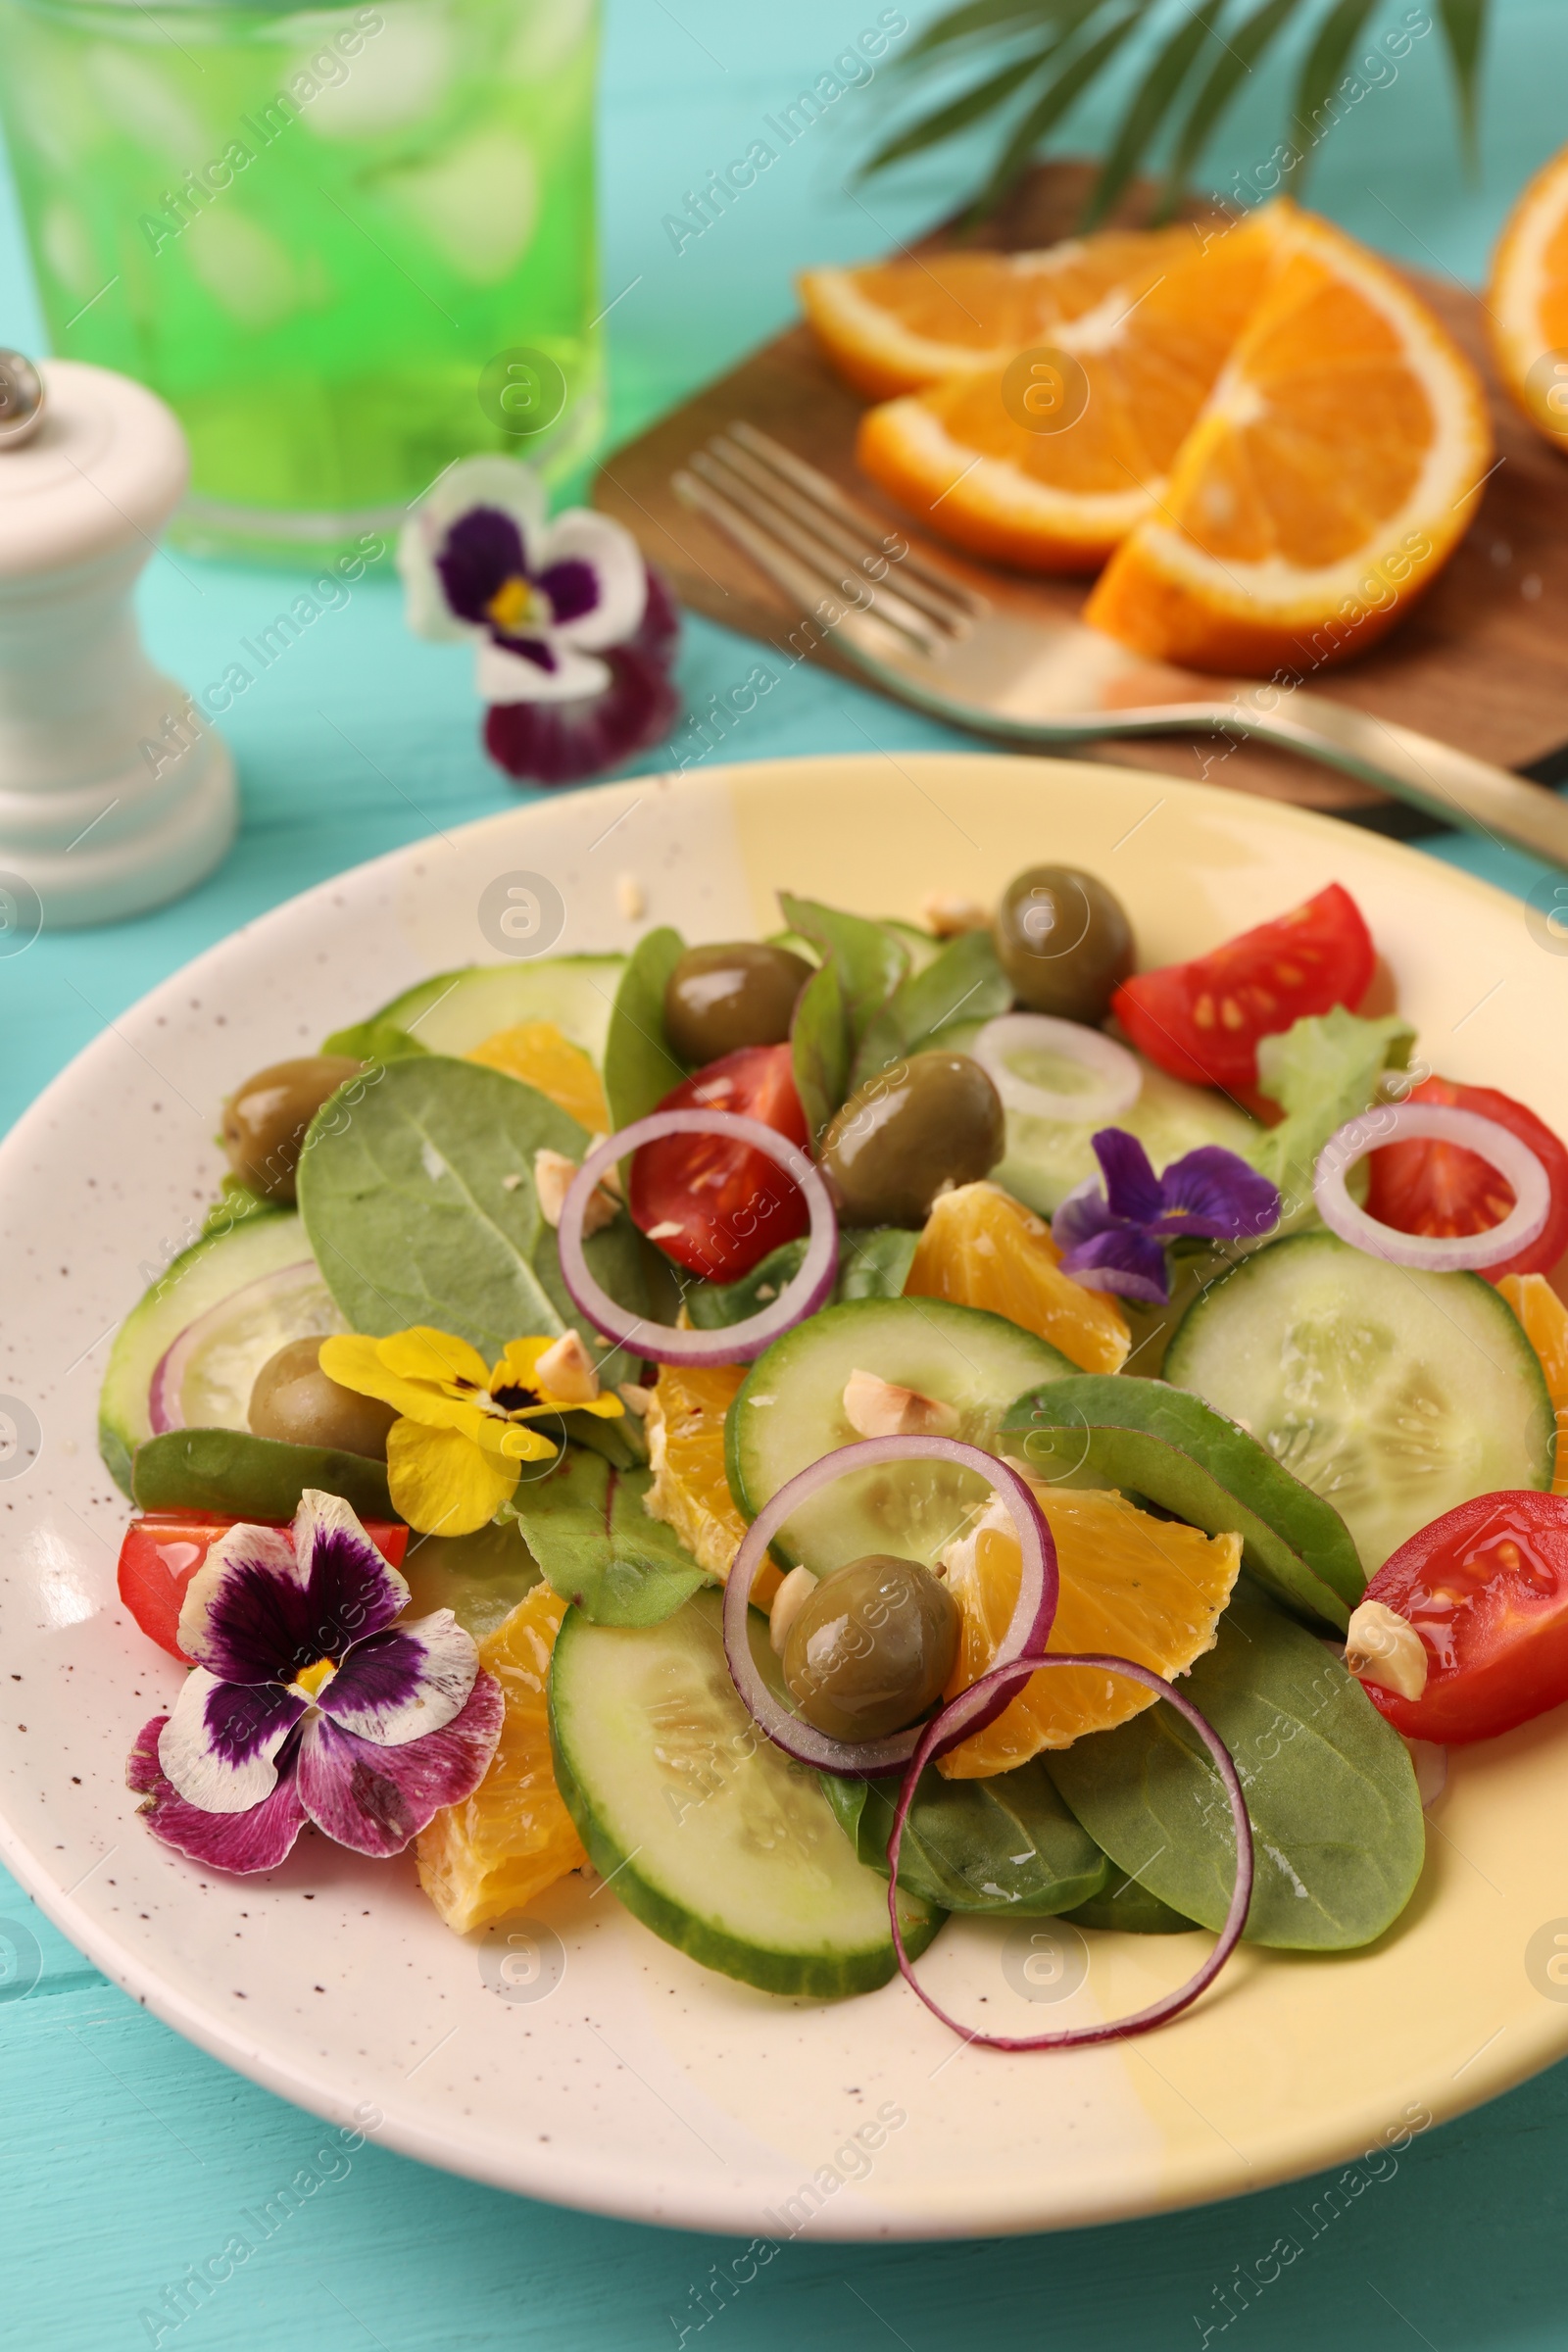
926 635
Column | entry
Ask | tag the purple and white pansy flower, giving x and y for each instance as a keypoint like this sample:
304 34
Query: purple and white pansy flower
1113 1234
310 1699
574 635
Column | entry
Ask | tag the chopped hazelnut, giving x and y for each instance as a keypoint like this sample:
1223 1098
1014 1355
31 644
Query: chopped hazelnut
879 1408
1384 1648
566 1370
553 1175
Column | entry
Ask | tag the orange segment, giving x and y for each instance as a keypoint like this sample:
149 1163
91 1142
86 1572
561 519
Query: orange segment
1330 476
897 326
514 1837
536 1053
1527 301
1145 1588
1545 1321
983 1249
690 1491
1151 351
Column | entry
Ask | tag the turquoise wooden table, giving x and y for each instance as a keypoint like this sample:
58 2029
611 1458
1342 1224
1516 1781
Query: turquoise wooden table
129 2156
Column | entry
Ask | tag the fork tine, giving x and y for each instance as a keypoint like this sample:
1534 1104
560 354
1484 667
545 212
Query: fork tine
813 589
827 493
812 546
858 544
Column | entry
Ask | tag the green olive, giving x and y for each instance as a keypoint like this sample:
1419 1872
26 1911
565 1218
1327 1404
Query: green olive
264 1119
872 1648
917 1129
1064 942
717 1000
292 1398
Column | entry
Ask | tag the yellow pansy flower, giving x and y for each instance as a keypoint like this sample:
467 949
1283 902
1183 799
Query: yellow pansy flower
453 1456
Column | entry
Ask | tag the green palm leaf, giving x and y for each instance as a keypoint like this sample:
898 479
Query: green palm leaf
1240 52
1315 89
1150 103
1039 57
1464 28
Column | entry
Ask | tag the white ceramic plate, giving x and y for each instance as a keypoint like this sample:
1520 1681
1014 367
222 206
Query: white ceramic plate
637 2084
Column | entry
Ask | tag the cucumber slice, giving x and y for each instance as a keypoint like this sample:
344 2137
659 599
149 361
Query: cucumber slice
790 1412
1151 1440
458 1010
1394 1394
710 1835
1045 1158
236 1266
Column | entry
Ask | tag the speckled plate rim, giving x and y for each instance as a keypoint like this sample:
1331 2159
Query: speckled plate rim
1289 2087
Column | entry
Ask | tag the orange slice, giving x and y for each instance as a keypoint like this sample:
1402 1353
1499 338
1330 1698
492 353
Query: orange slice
983 1249
537 1053
1330 476
959 457
897 326
1545 1321
1527 301
690 1491
514 1837
1149 1589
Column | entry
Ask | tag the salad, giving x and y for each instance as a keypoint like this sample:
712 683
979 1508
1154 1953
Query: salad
838 1431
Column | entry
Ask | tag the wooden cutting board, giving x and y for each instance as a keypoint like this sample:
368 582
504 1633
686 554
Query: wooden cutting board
1483 661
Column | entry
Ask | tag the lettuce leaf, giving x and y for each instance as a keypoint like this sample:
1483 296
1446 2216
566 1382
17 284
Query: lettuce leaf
1321 1073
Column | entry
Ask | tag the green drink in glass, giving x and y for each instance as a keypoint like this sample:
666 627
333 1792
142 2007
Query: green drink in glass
348 246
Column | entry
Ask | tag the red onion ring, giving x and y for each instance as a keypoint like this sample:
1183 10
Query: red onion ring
1028 1629
736 1343
971 1704
1445 1123
165 1407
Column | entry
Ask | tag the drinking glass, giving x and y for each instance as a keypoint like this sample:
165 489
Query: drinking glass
348 245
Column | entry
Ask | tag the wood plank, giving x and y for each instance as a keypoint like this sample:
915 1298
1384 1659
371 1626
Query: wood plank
1481 662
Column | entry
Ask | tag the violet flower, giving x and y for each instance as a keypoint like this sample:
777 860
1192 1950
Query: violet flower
307 1702
574 635
1113 1236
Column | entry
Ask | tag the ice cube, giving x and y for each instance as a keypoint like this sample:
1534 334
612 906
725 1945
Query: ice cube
68 249
140 99
477 203
243 266
399 78
550 32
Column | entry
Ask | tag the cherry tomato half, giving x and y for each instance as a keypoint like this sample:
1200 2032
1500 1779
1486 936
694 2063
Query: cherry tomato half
1202 1020
1485 1586
719 1207
162 1551
1437 1188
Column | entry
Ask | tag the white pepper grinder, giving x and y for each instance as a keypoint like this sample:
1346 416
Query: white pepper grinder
115 795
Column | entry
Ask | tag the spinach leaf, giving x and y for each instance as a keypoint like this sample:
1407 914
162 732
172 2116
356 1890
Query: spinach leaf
874 1262
375 1040
964 982
819 1045
1336 1826
585 1524
1126 1905
1007 1844
481 1578
870 959
1322 1071
236 1476
714 1306
1170 1446
421 1207
640 1066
